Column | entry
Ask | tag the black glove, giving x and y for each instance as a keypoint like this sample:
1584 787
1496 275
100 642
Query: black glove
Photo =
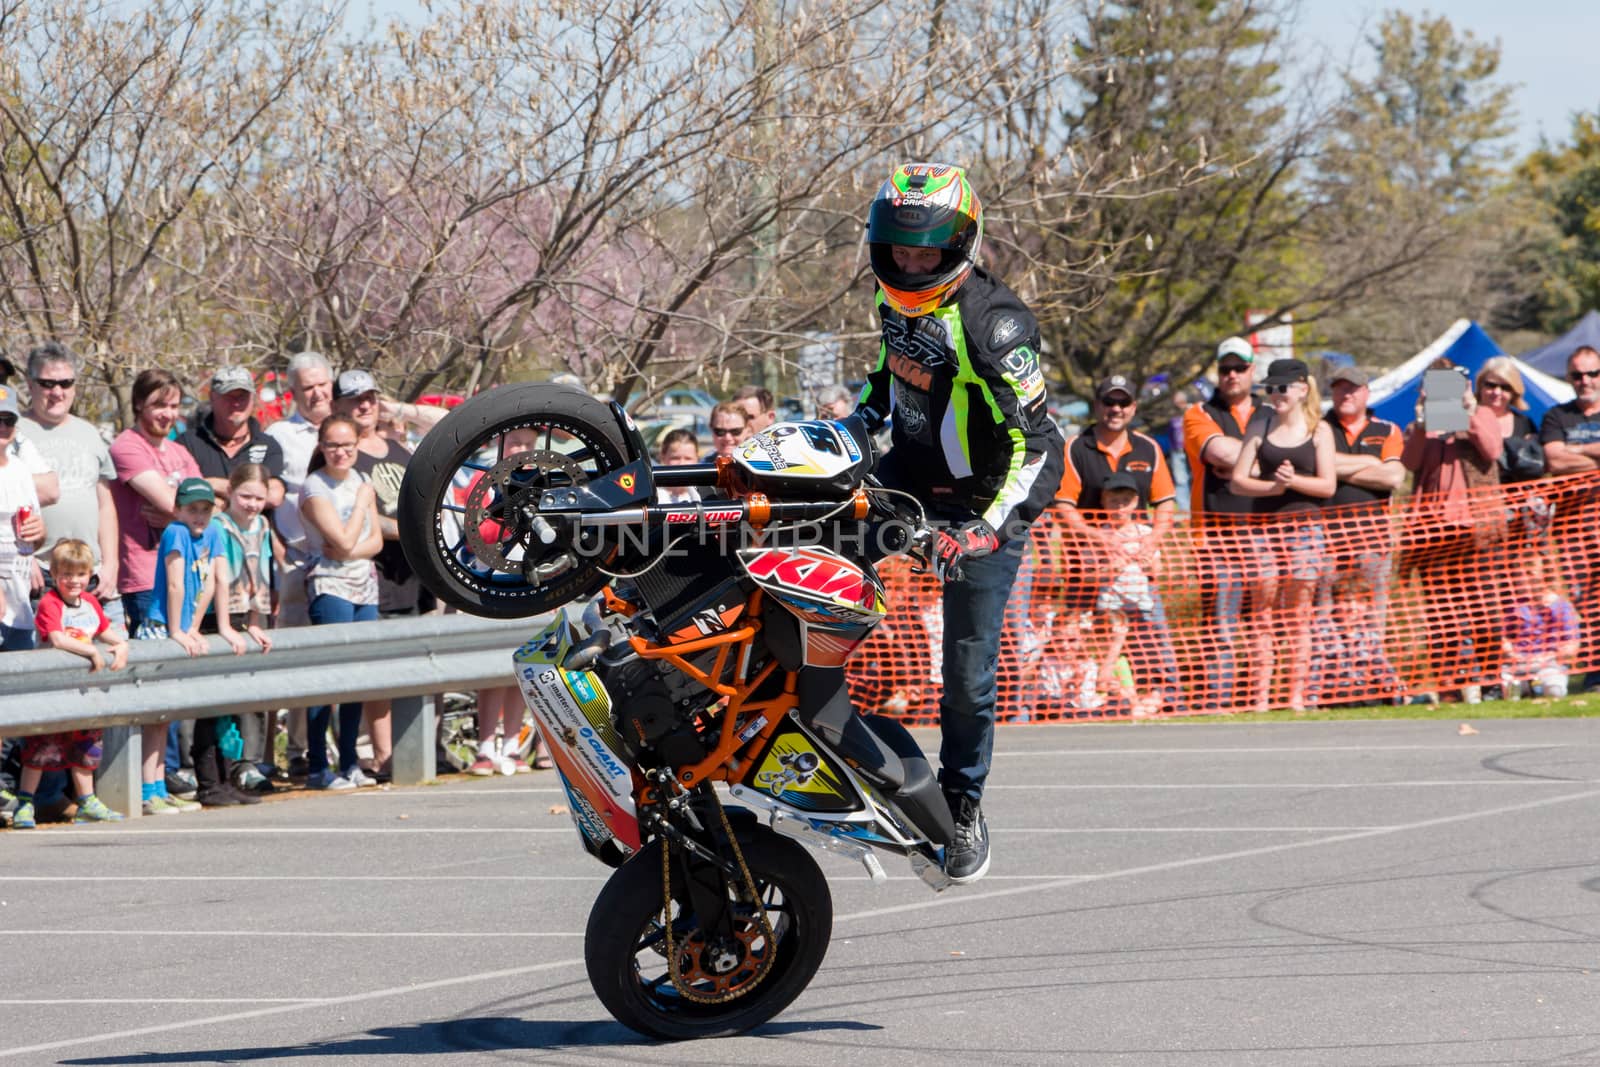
869 416
954 547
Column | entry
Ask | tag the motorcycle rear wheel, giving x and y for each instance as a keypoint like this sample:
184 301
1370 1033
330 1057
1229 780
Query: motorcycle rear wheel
575 439
626 955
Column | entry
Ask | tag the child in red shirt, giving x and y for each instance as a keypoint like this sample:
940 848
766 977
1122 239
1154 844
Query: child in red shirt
70 618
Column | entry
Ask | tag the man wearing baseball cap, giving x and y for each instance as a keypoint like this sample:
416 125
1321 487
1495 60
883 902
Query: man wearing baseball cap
1214 432
226 435
1368 468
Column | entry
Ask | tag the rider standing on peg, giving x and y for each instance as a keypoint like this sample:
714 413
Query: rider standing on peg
958 371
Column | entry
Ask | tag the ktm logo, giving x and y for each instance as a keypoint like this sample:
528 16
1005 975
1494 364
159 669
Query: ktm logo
818 576
1138 466
911 372
1374 442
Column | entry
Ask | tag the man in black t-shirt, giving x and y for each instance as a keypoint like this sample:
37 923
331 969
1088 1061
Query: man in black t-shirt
1570 434
226 435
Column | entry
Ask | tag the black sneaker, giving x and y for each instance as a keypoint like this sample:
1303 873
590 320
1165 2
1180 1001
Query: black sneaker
298 767
181 783
219 797
966 859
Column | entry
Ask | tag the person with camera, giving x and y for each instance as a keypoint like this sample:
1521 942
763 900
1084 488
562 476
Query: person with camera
1454 519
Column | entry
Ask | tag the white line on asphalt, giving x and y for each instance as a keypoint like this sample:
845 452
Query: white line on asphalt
1198 861
85 830
165 1000
1449 783
366 934
1274 751
280 1009
303 878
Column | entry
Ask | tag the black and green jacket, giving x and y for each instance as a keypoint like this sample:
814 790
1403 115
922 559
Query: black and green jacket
967 396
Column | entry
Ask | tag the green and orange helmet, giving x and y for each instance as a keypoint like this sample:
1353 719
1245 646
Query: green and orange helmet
926 205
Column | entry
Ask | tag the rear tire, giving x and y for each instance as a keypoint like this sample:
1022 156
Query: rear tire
576 439
625 946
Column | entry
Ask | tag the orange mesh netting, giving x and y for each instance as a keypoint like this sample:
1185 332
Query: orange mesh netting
1339 606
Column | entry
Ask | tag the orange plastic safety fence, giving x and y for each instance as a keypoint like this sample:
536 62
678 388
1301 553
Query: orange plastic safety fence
1338 606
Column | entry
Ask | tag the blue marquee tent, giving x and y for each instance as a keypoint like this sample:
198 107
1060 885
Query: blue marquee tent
1552 358
1395 393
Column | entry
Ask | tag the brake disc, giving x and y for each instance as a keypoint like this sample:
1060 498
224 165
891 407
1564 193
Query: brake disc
506 498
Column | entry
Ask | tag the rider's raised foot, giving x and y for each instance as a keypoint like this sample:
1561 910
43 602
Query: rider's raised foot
966 859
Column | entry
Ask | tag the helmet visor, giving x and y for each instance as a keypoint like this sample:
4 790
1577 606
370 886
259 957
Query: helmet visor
922 225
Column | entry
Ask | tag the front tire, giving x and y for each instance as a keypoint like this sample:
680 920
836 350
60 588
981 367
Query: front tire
625 944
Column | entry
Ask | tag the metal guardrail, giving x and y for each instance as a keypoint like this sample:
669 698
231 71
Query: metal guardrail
399 659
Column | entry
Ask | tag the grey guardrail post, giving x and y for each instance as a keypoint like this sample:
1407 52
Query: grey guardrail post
48 691
120 782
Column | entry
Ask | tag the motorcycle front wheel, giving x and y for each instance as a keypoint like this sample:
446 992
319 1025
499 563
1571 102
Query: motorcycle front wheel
625 946
468 503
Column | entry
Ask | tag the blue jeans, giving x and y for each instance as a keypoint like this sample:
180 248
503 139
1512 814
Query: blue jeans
16 638
1228 581
330 609
974 616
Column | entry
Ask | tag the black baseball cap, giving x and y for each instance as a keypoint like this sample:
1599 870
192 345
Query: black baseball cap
1284 371
1115 384
1120 480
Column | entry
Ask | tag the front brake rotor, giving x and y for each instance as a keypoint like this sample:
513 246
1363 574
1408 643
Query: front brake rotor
505 500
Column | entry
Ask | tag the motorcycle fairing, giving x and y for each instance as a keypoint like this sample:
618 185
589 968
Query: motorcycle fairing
808 454
573 713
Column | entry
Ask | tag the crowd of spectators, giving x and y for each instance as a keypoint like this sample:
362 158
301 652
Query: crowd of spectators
223 525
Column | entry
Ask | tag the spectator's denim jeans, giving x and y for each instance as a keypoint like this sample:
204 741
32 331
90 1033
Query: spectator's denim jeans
331 609
974 615
16 638
1227 579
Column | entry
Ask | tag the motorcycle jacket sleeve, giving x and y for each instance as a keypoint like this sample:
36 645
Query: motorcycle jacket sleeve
966 393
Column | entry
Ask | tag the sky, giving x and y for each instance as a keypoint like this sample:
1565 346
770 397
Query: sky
1547 50
1547 47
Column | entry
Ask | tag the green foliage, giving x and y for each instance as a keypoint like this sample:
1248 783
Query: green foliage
1562 270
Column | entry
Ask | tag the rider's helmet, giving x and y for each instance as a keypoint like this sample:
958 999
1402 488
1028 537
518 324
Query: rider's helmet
929 205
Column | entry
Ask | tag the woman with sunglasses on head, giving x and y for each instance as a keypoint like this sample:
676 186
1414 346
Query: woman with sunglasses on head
1289 469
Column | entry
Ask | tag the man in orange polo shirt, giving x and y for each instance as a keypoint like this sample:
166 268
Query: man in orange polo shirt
1367 465
1108 446
1213 433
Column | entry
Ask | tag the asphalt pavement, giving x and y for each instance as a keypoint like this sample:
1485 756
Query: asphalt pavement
1352 893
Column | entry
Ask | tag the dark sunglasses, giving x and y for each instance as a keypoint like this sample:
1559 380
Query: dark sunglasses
1273 389
1109 403
727 431
1502 386
1581 375
55 383
1233 368
8 418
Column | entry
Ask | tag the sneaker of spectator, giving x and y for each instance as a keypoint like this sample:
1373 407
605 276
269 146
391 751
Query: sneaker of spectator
361 779
329 781
181 783
160 805
486 763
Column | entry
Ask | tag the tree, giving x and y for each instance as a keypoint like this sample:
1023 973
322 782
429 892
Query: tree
119 128
1556 278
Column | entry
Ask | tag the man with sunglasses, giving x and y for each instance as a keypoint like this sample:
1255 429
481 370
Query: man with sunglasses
1214 432
82 507
1570 434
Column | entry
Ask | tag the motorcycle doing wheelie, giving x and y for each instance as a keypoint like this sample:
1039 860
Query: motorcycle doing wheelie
712 656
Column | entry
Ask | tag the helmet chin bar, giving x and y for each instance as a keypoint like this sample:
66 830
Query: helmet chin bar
917 294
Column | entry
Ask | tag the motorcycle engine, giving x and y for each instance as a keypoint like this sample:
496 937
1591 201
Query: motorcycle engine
655 706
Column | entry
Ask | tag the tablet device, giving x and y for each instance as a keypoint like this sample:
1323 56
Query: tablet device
1441 401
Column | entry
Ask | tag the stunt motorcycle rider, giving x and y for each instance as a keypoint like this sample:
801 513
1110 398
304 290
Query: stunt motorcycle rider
958 373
